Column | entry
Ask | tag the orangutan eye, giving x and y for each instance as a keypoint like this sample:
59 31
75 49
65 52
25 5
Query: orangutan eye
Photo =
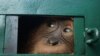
50 24
67 30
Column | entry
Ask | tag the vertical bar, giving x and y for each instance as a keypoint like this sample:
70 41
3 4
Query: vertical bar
79 39
2 32
11 34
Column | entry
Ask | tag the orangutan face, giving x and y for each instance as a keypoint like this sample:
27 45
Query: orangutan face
52 36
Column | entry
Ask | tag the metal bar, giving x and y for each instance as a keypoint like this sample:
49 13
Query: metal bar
2 32
11 34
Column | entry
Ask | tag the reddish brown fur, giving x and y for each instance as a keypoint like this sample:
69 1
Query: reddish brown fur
38 42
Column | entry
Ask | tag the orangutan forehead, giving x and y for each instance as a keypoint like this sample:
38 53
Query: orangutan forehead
66 21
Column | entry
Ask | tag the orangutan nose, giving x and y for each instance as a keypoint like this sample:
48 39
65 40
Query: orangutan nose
53 41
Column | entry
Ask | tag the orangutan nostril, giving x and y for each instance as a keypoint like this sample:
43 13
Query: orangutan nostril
53 41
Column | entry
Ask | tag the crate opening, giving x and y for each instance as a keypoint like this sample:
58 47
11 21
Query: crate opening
45 35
